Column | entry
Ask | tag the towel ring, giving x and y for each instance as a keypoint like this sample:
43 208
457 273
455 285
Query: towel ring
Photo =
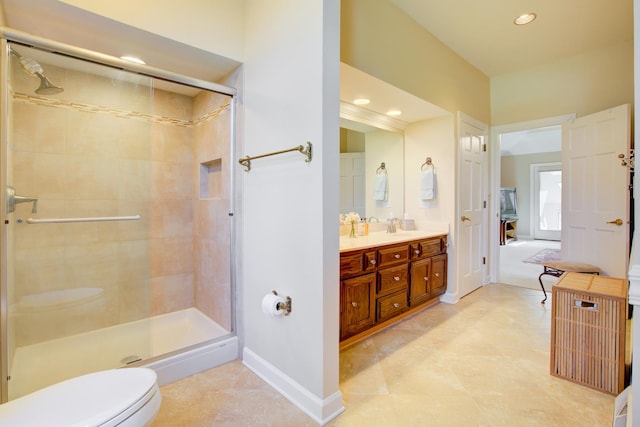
426 163
381 169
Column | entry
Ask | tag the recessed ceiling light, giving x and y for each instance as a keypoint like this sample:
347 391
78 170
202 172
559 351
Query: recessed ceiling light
133 59
525 18
394 112
361 101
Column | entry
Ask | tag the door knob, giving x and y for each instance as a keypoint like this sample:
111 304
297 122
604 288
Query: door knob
617 222
465 218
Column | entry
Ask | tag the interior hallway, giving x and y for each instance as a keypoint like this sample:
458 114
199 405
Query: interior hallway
481 362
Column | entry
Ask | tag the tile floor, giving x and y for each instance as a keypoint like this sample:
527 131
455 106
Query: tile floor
481 362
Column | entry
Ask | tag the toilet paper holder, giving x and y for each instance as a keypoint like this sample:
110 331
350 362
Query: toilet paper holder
286 307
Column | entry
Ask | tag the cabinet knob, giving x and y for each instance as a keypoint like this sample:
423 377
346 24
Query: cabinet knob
437 274
353 303
396 256
396 278
396 305
426 279
373 262
417 251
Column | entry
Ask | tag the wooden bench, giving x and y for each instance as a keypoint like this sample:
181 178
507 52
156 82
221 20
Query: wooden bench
558 268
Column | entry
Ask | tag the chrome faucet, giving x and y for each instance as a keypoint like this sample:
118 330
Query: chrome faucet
391 225
13 200
371 218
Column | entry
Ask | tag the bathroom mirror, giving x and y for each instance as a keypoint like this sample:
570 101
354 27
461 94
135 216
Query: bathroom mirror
370 136
363 150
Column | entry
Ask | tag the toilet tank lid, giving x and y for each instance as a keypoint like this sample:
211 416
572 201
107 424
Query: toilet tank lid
91 399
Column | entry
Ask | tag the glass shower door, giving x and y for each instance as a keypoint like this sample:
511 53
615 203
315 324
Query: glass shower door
117 240
79 225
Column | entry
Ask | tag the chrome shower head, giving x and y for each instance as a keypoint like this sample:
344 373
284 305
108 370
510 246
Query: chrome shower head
33 68
46 87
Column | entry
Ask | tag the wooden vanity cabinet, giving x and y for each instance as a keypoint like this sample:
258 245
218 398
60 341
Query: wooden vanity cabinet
379 285
393 255
428 269
357 304
420 281
428 279
438 275
356 263
392 292
391 305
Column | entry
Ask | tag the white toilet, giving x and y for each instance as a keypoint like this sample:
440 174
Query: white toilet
116 397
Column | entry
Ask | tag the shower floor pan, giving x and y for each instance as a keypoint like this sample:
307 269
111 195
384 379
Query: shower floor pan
39 365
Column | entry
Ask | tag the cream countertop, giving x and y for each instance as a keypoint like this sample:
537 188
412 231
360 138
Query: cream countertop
380 238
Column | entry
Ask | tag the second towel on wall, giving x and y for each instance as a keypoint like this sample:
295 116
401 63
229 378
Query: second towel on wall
428 182
381 187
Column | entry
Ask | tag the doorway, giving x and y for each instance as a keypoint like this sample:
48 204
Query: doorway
515 150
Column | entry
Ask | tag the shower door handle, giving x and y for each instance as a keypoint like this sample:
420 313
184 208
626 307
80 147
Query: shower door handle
13 200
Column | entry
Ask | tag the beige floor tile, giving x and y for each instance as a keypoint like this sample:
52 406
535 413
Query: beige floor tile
367 411
481 362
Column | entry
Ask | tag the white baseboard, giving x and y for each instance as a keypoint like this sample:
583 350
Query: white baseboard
450 298
320 410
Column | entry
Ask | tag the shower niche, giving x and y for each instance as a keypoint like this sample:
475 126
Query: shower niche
211 179
130 251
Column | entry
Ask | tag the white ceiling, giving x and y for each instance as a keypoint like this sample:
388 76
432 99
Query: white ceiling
483 33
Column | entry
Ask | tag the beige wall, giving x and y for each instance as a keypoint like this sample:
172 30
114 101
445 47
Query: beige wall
351 141
424 139
381 40
212 25
516 172
580 84
385 147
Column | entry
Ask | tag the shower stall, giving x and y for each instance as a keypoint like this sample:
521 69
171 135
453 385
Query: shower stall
118 237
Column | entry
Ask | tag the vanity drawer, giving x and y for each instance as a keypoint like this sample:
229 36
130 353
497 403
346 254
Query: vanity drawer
352 264
391 305
429 247
393 255
393 279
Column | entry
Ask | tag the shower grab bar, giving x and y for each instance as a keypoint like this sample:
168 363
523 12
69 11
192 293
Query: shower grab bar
246 161
91 219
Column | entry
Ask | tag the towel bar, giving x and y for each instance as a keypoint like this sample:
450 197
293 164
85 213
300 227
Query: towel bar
91 219
246 161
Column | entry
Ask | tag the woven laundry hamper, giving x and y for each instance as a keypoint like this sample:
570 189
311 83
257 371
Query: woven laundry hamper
588 331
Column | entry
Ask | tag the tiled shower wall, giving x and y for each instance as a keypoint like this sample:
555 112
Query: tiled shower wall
105 147
212 205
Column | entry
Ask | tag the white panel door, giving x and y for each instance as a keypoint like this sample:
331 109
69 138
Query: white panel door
595 190
471 223
352 183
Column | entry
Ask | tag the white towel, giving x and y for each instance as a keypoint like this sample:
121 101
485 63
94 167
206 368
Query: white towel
380 187
428 183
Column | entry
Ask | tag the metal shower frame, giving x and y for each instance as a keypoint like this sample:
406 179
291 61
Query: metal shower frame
14 36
